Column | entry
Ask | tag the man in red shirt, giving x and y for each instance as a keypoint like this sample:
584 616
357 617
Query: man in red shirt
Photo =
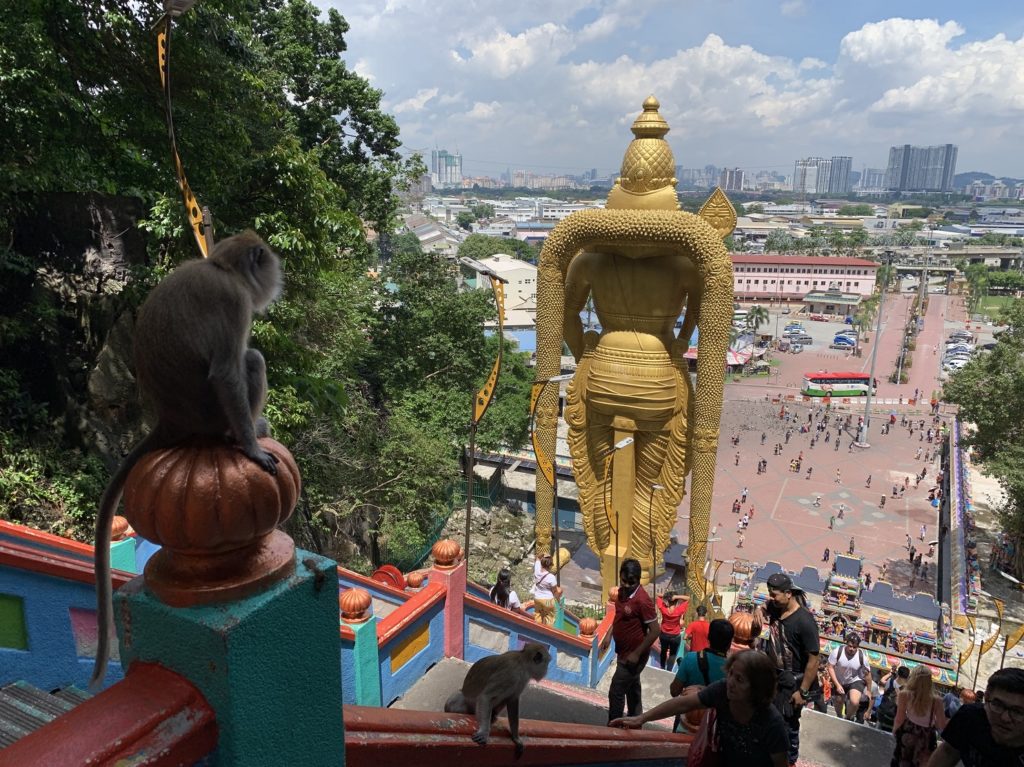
635 627
697 631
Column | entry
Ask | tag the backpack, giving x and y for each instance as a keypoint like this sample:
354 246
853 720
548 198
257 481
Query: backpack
886 713
777 648
705 671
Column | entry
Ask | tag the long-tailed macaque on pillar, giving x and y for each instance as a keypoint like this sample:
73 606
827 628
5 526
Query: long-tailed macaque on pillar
644 262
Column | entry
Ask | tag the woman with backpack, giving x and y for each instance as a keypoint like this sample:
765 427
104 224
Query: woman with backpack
918 714
503 596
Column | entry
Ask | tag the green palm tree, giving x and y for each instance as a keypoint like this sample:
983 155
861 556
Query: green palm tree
756 317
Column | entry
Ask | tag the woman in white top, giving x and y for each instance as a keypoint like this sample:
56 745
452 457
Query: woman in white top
544 586
503 595
918 715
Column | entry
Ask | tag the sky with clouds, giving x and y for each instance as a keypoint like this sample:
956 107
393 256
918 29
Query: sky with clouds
553 86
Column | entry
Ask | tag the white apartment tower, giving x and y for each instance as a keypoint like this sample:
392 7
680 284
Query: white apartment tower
445 168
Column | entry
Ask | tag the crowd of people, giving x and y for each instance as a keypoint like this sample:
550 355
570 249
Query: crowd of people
752 697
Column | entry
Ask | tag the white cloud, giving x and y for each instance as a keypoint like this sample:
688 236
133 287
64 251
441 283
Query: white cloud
504 54
917 42
482 111
812 63
417 102
793 8
556 85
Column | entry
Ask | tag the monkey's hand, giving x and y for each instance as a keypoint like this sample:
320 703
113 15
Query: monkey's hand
267 461
480 737
519 746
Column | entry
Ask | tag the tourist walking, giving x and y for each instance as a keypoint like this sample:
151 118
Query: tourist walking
502 594
792 645
634 628
850 673
827 555
697 631
839 477
831 524
989 734
868 483
852 546
743 495
748 730
671 607
918 714
544 584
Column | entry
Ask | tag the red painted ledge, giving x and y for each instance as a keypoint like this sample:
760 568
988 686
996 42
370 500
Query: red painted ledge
32 559
382 737
152 718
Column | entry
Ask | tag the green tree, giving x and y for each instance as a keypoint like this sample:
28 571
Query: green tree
757 316
465 220
480 246
860 209
779 241
990 393
482 210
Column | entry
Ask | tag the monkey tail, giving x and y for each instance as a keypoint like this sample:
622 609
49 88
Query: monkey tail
101 554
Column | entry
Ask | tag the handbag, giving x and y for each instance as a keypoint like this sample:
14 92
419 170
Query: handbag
706 747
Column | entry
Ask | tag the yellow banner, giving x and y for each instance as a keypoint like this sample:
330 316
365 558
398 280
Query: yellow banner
545 464
1014 638
967 654
988 643
486 394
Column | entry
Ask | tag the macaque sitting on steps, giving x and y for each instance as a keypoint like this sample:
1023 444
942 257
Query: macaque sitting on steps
495 683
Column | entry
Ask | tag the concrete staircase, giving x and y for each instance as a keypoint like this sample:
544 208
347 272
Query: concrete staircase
825 741
544 701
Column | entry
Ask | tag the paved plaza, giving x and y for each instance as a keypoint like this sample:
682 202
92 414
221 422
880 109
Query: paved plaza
794 517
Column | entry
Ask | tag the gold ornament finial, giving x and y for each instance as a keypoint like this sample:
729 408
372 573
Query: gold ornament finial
647 178
719 212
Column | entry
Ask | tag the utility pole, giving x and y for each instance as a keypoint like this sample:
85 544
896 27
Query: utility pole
862 438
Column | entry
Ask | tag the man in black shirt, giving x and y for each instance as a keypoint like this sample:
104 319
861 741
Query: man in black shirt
989 734
793 644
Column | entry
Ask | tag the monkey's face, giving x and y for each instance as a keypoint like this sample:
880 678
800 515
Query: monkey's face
537 660
266 277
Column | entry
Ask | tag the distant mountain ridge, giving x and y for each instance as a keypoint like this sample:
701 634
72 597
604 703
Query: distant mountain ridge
960 180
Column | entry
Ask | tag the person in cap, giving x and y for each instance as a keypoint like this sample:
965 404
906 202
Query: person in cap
792 643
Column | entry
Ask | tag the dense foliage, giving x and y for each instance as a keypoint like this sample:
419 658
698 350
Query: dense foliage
990 393
370 377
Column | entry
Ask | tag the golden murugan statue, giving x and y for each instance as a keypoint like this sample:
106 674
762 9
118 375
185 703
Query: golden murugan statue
643 261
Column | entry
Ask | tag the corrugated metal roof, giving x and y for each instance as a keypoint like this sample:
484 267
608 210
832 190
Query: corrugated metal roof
24 708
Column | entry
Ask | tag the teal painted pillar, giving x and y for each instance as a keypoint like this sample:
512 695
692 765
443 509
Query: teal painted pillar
560 614
366 657
122 555
269 665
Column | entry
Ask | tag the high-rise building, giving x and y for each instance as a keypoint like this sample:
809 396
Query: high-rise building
445 168
872 179
921 168
816 175
806 176
839 175
731 180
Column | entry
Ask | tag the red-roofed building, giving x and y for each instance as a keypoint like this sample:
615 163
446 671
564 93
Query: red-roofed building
775 277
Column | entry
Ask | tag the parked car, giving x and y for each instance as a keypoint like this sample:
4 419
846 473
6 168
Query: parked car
785 310
960 348
803 339
843 341
955 364
796 348
848 320
847 333
818 317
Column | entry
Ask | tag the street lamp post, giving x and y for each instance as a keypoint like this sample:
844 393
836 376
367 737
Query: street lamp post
482 399
650 531
547 464
625 442
862 440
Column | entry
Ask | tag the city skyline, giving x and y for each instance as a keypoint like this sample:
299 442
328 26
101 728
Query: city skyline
744 84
